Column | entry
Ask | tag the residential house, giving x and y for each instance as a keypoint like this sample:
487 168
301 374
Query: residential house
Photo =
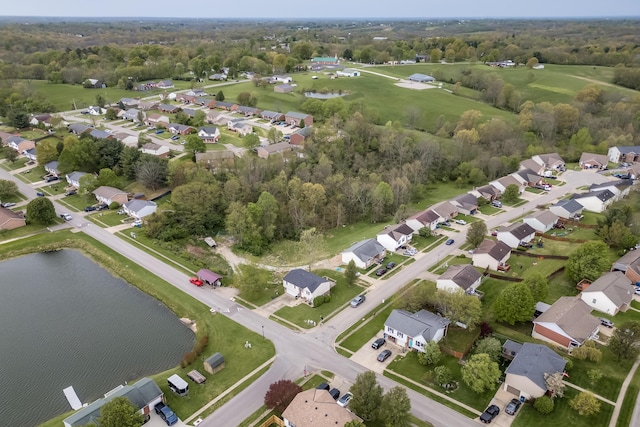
316 408
178 129
568 323
300 136
629 264
620 187
445 210
218 76
154 149
209 133
129 102
144 395
542 221
10 219
414 330
127 139
165 84
168 108
364 253
282 79
272 116
147 105
189 112
595 201
196 92
37 119
425 219
421 78
73 179
203 100
467 203
157 120
95 110
296 119
107 195
610 293
510 349
634 171
348 72
532 165
594 162
240 126
185 99
516 234
19 144
528 177
491 255
79 128
461 277
567 208
306 285
130 114
138 209
215 116
551 161
94 84
624 154
247 111
100 134
325 60
395 236
216 160
278 148
502 183
488 192
525 375
221 105
51 168
31 154
283 88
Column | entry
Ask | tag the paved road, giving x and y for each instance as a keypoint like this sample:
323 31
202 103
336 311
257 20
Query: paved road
313 350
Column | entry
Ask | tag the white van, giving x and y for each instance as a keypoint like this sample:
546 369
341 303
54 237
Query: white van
178 385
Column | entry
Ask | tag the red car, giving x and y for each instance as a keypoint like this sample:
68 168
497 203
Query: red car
196 281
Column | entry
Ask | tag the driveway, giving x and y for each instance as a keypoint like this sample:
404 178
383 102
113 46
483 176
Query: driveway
156 421
501 399
368 357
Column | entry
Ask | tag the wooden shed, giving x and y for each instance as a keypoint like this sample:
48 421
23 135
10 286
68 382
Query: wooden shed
214 363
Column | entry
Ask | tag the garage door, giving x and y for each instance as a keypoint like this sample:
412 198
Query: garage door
513 390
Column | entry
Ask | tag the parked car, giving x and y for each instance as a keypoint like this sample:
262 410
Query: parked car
450 242
384 355
461 222
513 406
196 281
323 386
496 203
90 209
159 131
335 393
390 265
166 414
102 206
380 271
358 300
378 343
66 216
175 137
8 204
51 178
40 194
70 193
489 414
345 399
606 322
637 291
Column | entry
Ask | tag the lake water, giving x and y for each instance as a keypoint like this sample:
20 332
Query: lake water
65 321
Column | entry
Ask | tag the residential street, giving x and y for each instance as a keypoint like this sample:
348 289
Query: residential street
313 350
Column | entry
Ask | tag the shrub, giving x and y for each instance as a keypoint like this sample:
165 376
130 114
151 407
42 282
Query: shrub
544 405
588 351
114 205
318 301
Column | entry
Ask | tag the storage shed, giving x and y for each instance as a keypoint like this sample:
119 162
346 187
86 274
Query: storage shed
209 277
214 363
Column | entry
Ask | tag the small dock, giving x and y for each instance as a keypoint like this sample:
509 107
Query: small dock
72 397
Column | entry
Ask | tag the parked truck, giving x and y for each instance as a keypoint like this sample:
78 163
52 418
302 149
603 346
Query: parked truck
166 414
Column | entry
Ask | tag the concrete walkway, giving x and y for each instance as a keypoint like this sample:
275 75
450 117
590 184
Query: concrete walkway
597 396
623 392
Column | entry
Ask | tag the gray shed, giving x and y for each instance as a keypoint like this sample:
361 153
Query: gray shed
214 363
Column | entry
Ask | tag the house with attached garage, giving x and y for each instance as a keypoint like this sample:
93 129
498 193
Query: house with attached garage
593 162
157 120
414 330
525 375
541 221
247 111
165 84
107 195
168 108
502 183
487 192
272 116
364 253
31 154
303 284
144 395
79 128
528 177
516 234
567 208
73 179
316 408
551 161
467 203
51 168
610 293
100 134
595 201
37 119
296 119
620 188
10 219
129 102
130 114
154 149
178 129
19 144
629 264
222 105
425 219
300 136
532 165
629 154
492 255
240 126
147 105
568 323
461 277
395 236
138 209
209 133
445 210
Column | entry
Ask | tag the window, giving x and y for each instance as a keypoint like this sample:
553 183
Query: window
391 331
400 335
593 301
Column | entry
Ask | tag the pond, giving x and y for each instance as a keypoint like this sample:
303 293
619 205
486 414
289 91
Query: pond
68 322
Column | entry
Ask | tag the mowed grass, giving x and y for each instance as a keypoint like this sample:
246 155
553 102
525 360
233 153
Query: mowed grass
368 331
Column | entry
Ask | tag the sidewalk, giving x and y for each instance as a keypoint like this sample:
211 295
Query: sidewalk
623 392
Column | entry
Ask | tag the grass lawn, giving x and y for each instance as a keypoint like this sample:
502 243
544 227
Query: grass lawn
19 163
591 218
338 239
452 260
266 285
420 243
490 210
460 339
33 133
560 285
54 189
21 232
562 415
624 419
78 202
524 266
106 218
341 293
373 326
439 192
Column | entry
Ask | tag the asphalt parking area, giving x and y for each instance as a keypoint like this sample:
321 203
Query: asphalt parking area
368 357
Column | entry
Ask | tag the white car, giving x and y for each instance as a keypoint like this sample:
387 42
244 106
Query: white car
345 399
66 217
461 222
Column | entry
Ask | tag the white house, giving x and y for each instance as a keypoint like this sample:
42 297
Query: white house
551 161
525 374
624 154
595 201
209 133
138 209
414 330
304 284
282 79
491 254
364 253
541 221
515 234
73 178
425 219
620 187
445 210
107 195
348 72
461 277
395 236
567 208
502 183
155 149
51 168
610 293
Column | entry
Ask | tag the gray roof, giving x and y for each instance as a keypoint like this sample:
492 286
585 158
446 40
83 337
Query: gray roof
224 104
97 133
535 360
168 107
305 131
397 231
620 184
519 230
75 176
136 205
215 360
189 112
530 164
247 110
297 115
545 217
615 285
569 205
79 127
529 175
550 159
635 149
209 130
108 192
573 316
422 323
179 127
511 347
421 77
601 159
304 279
488 190
140 394
602 195
271 114
52 165
463 275
496 249
366 249
467 201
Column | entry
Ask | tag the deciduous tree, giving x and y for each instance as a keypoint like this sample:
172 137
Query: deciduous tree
41 211
625 342
395 408
543 404
514 304
10 154
120 412
588 261
480 373
7 189
280 394
152 172
491 346
476 233
431 354
539 286
511 194
585 403
367 396
554 383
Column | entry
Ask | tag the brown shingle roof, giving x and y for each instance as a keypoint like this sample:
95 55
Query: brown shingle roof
496 250
463 275
615 285
316 408
573 316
